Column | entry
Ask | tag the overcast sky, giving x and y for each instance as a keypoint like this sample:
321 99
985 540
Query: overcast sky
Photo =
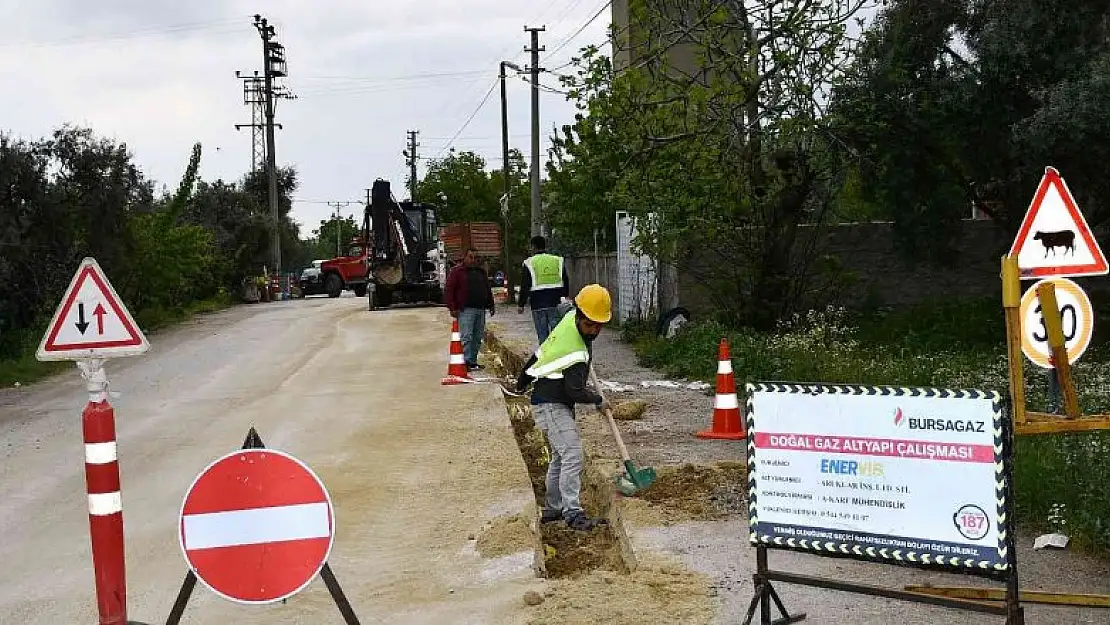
160 75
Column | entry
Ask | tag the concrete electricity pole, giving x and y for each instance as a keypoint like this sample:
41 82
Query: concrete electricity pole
337 206
505 174
411 157
535 69
273 64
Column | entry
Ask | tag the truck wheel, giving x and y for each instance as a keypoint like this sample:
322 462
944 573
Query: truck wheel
333 285
383 298
360 290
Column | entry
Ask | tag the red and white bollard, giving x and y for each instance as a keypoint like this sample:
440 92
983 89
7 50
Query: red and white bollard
105 506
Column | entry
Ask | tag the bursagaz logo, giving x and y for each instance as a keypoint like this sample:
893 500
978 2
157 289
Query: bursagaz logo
938 425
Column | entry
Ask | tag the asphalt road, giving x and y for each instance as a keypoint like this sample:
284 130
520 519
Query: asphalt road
355 394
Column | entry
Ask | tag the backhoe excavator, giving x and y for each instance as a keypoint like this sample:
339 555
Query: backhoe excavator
405 260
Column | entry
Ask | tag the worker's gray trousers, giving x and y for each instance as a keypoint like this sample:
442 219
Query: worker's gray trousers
564 473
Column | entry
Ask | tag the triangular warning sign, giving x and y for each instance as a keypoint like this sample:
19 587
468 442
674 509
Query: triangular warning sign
1054 239
91 321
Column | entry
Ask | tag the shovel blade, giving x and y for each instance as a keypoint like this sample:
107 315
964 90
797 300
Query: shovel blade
642 478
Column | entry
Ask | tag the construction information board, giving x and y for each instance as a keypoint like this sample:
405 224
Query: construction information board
906 475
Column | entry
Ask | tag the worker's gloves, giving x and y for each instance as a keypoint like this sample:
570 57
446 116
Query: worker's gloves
604 406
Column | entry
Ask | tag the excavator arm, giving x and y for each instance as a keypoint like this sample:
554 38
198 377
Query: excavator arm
391 235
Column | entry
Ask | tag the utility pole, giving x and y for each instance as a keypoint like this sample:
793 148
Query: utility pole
505 174
410 156
273 65
337 205
535 69
252 97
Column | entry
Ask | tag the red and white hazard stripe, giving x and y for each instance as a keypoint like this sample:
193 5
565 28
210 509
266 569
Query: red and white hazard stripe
726 386
105 510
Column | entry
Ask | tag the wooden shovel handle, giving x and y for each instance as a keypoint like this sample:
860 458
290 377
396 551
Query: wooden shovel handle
609 416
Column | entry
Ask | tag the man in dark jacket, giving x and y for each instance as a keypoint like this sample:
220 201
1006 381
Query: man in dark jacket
560 368
468 297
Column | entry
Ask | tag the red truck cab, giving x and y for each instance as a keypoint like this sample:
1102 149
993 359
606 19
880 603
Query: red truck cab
346 272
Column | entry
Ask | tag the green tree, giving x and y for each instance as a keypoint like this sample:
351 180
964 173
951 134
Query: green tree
323 242
587 157
721 160
936 127
170 262
462 179
256 184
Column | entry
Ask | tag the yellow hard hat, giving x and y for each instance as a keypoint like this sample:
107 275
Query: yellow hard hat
594 302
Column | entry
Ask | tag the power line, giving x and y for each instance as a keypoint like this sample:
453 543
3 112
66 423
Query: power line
477 138
304 201
224 26
472 115
502 53
401 77
581 28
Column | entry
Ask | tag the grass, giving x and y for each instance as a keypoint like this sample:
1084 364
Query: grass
24 368
1060 480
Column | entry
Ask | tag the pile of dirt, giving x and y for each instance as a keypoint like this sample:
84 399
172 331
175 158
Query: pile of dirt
504 536
659 591
691 492
630 410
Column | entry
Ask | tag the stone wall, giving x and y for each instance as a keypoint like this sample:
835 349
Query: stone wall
868 254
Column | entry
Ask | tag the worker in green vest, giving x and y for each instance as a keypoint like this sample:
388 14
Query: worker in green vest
560 369
544 284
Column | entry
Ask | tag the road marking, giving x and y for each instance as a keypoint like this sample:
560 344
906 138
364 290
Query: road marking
257 525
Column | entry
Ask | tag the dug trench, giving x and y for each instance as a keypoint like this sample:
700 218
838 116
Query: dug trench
563 551
687 492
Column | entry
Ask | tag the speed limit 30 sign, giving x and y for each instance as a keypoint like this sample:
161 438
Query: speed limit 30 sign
1076 315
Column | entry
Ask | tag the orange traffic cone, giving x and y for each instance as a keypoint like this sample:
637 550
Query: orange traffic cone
456 364
727 423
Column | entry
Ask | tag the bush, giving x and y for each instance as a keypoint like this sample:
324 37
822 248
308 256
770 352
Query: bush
1060 479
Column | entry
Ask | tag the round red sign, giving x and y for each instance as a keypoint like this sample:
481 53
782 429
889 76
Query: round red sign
256 526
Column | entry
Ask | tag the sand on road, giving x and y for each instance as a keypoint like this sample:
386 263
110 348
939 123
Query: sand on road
415 470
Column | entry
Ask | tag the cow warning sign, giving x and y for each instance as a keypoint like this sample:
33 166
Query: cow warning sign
1054 238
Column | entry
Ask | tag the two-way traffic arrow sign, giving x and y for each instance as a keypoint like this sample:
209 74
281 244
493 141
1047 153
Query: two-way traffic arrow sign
72 335
83 325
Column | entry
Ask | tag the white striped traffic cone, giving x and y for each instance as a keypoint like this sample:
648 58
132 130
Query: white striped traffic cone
727 423
456 363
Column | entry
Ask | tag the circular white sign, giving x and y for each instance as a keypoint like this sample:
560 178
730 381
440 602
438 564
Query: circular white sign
1076 316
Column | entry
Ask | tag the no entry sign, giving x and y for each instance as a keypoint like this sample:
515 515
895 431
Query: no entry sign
256 526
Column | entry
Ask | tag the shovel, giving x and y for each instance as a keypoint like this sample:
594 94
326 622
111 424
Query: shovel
634 479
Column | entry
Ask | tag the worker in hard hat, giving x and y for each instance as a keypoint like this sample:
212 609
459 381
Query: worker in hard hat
560 369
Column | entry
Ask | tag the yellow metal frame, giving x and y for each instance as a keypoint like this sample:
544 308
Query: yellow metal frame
1027 596
1027 422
